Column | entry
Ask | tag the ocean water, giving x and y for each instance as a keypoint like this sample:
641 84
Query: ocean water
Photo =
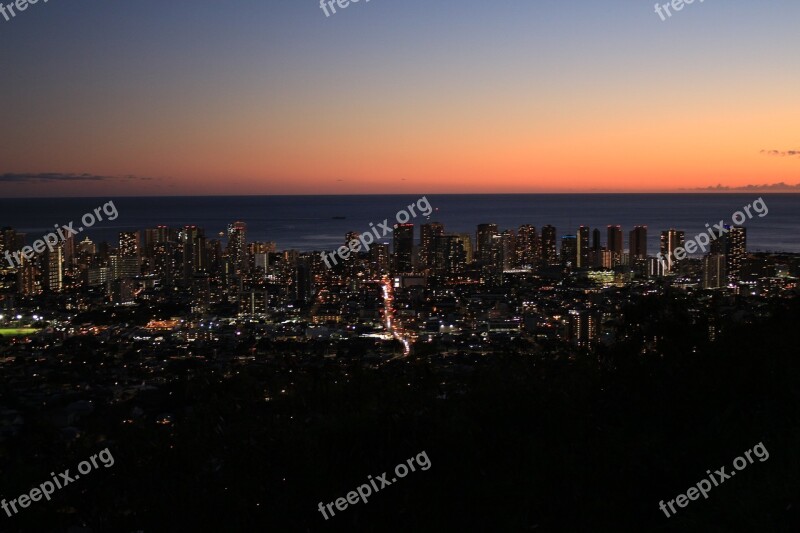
314 222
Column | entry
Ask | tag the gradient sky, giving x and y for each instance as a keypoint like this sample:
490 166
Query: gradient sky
116 97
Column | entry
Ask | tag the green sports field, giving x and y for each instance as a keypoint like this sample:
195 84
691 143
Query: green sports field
17 332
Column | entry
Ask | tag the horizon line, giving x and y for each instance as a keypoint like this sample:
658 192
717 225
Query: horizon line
632 193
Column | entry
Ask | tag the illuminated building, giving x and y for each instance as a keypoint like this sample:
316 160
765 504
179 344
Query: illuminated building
527 246
483 242
714 271
54 269
582 328
549 256
428 234
129 244
193 247
733 245
583 251
670 241
614 244
237 247
403 248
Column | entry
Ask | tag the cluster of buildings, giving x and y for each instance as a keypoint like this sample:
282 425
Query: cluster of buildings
497 284
96 324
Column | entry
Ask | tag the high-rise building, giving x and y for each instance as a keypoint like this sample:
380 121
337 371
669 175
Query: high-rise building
27 278
127 263
428 234
549 256
449 255
379 259
158 235
123 267
638 243
237 247
86 246
583 327
10 241
569 251
259 254
466 242
483 241
583 252
527 246
605 258
670 241
54 269
193 246
129 244
508 249
615 244
731 242
403 248
303 281
714 271
70 257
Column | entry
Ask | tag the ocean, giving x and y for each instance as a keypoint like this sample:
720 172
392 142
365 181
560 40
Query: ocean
320 222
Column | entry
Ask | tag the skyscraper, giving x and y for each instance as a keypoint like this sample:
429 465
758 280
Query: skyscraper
449 255
549 256
733 245
127 264
483 241
70 258
129 243
737 253
428 233
638 243
615 244
670 240
379 259
527 246
237 247
569 251
54 269
194 259
506 243
714 271
583 247
466 242
403 248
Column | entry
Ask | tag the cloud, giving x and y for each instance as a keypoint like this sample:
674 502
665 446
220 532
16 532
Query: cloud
780 153
11 177
775 187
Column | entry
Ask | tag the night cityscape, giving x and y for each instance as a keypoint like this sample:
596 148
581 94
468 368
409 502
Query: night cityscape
169 331
380 266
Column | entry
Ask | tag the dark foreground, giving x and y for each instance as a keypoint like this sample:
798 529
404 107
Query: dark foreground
516 442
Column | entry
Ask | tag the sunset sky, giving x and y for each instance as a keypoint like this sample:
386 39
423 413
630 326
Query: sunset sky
203 97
